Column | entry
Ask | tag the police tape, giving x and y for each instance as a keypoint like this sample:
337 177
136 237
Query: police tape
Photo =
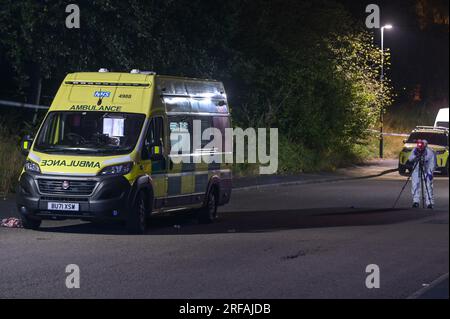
23 105
388 134
42 107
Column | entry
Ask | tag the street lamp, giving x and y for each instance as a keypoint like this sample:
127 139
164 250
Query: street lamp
387 27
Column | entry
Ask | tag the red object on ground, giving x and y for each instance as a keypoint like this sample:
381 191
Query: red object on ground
11 223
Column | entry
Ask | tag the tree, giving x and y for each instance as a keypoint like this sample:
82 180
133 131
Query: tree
303 66
175 37
306 68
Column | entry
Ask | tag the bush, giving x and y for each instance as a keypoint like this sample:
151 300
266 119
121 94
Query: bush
11 162
295 158
403 118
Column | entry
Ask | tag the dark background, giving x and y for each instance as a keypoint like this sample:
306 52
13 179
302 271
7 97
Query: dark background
308 67
419 45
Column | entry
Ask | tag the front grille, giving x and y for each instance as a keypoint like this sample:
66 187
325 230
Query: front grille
64 199
49 186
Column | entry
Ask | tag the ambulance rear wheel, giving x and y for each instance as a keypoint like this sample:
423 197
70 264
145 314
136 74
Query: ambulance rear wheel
208 213
137 218
30 223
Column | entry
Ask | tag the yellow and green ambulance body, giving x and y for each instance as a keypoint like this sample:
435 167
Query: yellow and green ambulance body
105 150
437 140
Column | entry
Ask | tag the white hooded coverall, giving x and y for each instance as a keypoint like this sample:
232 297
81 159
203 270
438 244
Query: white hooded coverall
429 166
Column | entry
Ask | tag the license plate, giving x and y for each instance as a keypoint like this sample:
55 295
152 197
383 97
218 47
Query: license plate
70 207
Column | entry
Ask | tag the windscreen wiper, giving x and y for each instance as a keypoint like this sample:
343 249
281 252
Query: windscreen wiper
67 149
112 150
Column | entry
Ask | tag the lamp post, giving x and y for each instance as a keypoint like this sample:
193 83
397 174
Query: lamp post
388 27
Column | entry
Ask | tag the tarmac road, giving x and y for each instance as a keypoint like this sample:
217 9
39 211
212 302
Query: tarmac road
298 241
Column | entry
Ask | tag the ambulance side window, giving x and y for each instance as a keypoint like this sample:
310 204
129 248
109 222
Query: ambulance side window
155 136
206 123
180 135
221 123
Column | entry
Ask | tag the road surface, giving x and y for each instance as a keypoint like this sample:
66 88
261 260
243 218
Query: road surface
297 241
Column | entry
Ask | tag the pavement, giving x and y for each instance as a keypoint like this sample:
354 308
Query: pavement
304 237
369 169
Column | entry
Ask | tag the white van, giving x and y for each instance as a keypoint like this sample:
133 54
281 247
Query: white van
442 118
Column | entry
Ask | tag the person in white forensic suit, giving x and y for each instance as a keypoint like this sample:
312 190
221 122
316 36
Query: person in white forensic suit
423 156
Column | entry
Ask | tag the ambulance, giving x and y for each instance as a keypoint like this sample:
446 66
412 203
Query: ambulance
104 151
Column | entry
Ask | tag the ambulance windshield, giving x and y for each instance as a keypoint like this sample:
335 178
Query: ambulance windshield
89 133
439 139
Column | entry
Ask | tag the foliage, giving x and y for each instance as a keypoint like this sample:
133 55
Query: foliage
303 66
11 161
318 81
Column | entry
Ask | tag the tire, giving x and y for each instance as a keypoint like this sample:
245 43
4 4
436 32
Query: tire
208 213
30 223
402 170
98 223
136 223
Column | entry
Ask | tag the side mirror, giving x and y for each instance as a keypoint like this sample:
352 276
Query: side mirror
25 144
156 153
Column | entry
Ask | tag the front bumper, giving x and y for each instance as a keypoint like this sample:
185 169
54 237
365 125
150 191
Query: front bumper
108 199
441 161
408 167
405 167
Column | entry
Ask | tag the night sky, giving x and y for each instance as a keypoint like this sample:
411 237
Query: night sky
419 45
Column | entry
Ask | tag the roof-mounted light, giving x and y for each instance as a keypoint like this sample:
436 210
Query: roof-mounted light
137 71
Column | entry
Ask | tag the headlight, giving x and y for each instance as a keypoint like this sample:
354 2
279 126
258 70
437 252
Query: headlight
121 169
32 167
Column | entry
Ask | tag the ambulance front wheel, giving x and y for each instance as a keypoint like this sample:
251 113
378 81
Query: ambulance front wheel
208 213
402 170
137 218
30 223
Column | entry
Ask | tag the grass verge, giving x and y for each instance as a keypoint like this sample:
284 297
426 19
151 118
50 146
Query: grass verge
295 158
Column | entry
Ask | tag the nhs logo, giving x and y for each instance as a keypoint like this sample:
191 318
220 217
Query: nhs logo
102 94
